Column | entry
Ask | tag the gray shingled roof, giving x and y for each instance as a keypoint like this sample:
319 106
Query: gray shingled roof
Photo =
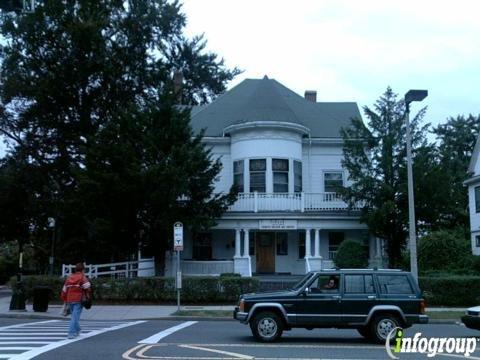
268 100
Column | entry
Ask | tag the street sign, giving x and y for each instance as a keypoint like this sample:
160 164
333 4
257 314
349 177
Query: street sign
178 236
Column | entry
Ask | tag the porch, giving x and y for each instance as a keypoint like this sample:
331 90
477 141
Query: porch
301 202
266 250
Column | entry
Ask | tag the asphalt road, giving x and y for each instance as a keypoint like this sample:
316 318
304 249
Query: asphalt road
162 339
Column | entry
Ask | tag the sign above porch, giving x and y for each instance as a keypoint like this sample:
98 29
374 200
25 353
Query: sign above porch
277 224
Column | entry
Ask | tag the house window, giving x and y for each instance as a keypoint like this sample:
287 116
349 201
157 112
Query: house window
202 246
477 199
334 241
333 181
258 168
477 241
301 245
280 175
297 176
282 243
238 175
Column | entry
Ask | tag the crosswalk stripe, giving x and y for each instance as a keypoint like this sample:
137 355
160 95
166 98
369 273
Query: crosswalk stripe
28 335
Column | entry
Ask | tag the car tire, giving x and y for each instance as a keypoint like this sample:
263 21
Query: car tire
381 326
267 326
365 332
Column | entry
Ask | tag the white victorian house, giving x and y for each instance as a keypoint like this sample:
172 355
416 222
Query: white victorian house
473 184
283 152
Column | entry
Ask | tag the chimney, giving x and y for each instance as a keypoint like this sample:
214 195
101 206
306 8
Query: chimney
311 95
177 85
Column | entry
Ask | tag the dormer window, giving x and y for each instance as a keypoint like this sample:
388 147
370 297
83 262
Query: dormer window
258 168
280 175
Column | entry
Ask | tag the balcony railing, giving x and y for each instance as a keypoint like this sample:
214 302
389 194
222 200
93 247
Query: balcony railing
302 202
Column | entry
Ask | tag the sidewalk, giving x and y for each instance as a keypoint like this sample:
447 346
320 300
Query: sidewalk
106 312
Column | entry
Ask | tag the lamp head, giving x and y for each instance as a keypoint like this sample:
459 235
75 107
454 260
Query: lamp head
415 95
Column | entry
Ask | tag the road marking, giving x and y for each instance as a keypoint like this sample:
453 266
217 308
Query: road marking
50 342
159 336
228 353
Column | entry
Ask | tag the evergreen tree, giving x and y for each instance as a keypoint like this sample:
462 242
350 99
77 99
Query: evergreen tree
375 158
86 85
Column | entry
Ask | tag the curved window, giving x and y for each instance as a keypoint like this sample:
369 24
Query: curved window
257 168
238 175
280 175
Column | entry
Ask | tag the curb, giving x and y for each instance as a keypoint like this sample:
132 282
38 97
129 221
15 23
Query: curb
179 318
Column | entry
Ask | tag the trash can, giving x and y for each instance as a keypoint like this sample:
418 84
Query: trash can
41 295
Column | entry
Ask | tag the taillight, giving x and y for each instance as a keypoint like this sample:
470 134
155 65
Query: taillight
423 306
241 306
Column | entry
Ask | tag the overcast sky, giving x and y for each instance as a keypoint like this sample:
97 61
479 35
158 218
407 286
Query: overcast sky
351 50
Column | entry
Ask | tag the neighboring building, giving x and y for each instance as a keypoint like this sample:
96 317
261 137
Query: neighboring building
473 184
283 152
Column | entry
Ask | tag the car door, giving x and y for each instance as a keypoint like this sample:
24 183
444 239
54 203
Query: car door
319 305
359 296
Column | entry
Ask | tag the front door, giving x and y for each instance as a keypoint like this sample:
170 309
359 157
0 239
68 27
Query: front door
265 250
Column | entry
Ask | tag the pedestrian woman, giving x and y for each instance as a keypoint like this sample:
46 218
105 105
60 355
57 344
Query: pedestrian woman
76 286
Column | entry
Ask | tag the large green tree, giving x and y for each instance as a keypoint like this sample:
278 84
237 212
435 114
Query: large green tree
375 158
87 97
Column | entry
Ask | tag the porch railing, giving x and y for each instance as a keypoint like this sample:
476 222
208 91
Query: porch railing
301 202
126 269
214 267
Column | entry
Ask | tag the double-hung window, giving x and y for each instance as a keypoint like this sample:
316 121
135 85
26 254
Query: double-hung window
258 167
297 176
332 181
238 175
280 175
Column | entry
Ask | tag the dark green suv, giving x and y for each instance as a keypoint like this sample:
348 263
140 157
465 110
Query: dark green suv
372 301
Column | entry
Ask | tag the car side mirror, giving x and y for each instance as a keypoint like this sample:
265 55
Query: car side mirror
305 291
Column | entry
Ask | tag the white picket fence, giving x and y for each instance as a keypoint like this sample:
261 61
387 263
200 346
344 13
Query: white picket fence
127 269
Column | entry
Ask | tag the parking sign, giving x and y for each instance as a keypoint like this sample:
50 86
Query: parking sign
178 236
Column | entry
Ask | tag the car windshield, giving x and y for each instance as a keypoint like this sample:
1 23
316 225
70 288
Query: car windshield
302 282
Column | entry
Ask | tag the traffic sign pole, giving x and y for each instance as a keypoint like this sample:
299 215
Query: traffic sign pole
178 246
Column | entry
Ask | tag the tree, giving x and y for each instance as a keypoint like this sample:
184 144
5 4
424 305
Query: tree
375 158
81 82
456 139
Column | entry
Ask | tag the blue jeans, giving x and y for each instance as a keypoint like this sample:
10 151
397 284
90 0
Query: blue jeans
76 311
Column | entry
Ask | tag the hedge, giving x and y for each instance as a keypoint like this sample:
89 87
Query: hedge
451 290
154 289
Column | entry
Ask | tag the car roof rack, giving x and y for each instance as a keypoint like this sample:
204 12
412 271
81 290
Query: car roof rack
358 269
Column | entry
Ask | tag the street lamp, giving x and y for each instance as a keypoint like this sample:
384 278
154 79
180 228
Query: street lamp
410 96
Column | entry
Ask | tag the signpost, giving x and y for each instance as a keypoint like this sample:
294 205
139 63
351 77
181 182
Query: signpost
178 246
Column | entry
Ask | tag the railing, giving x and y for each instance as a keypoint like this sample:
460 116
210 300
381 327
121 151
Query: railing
126 269
213 267
332 254
303 202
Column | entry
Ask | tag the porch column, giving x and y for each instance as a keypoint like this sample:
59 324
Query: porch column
246 243
308 243
317 244
237 243
378 249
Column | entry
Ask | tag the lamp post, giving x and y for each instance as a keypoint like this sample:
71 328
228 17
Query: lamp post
410 96
51 259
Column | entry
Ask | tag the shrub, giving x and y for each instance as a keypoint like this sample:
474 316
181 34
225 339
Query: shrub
351 254
444 250
154 289
451 290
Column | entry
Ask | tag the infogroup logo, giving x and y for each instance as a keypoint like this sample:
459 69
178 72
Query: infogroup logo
429 346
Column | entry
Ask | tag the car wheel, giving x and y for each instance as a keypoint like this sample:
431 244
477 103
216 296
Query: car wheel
365 332
382 325
266 326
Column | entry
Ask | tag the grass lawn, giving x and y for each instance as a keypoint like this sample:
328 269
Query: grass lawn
445 315
205 313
